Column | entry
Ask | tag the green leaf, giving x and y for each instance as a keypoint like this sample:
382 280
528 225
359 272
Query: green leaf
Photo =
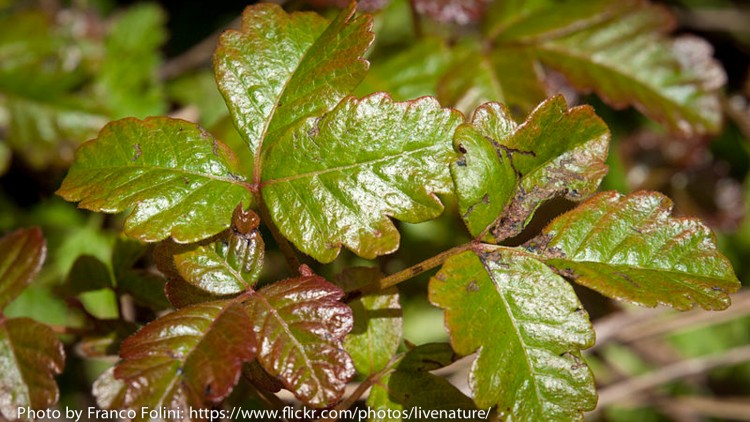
281 68
191 357
619 50
378 319
335 180
528 328
411 73
630 248
226 264
300 325
30 357
411 388
506 171
376 334
181 182
23 253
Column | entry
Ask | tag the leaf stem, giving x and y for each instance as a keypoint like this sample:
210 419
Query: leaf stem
423 266
415 20
289 254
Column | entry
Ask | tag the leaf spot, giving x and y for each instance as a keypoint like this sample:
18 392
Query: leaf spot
472 286
462 149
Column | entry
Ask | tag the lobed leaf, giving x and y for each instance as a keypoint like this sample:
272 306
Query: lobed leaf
300 325
506 171
23 253
334 180
630 248
190 357
619 50
30 357
180 181
528 328
281 68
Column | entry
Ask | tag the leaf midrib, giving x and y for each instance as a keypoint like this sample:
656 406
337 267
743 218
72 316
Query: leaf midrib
516 329
233 181
258 161
348 166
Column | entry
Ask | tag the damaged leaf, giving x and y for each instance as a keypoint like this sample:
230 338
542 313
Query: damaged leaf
630 248
505 171
528 327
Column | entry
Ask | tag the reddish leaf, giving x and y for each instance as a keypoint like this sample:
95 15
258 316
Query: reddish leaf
300 325
30 357
191 357
23 252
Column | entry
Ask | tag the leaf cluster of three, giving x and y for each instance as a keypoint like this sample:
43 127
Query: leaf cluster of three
330 170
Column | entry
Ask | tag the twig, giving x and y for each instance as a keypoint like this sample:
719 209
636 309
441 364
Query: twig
637 385
423 266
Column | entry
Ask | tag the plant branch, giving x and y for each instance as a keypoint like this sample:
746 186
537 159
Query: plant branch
423 266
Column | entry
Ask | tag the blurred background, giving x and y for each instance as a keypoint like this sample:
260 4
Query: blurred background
68 67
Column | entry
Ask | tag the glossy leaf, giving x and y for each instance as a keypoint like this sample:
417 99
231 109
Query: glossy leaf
300 325
180 181
505 171
412 388
227 264
630 248
335 180
30 357
22 253
190 357
281 68
528 327
619 50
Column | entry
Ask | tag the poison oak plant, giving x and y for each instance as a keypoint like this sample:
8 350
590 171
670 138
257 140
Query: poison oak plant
327 170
